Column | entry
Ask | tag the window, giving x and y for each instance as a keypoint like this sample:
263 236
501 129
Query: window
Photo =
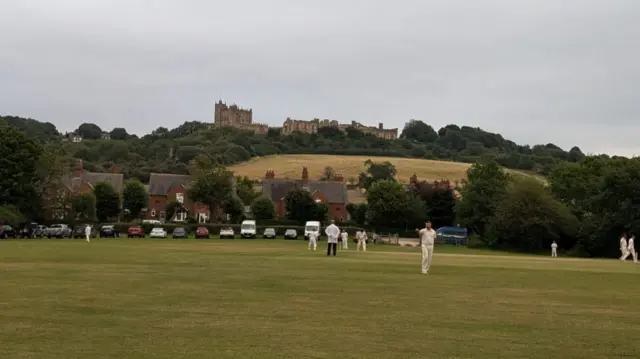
181 216
180 197
153 212
162 214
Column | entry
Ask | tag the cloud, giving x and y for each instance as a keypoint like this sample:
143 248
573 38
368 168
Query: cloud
534 71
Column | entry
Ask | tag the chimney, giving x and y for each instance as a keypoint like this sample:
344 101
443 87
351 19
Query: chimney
380 126
414 179
270 174
305 175
115 169
77 172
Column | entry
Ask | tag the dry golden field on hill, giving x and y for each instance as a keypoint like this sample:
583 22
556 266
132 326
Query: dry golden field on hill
290 166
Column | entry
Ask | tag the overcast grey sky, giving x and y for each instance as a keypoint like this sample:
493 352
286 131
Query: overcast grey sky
535 71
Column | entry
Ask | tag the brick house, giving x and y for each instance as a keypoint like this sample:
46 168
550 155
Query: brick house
165 188
331 193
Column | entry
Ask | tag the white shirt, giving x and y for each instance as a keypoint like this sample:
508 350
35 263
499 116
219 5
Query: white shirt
313 236
87 230
332 232
554 245
631 245
427 237
345 235
623 243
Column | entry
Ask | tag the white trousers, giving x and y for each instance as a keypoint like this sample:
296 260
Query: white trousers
345 243
554 252
625 253
313 243
362 244
427 255
88 239
633 253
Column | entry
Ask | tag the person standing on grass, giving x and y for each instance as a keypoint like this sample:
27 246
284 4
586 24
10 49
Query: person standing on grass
345 239
427 241
333 233
554 249
87 233
361 236
623 247
631 248
313 240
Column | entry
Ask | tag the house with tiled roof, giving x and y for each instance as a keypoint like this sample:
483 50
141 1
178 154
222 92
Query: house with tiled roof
82 181
331 193
165 188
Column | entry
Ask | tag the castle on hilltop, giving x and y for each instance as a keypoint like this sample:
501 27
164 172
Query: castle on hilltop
234 116
291 125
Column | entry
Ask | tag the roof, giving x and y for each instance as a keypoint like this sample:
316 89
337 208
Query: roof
116 180
276 189
161 183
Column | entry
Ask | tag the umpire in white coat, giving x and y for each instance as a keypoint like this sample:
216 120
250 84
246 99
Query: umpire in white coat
333 233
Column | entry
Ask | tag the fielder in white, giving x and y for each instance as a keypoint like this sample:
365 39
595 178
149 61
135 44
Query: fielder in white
427 241
623 247
313 240
361 236
554 249
87 233
333 232
631 249
345 240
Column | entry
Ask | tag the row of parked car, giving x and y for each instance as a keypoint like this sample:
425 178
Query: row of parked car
34 230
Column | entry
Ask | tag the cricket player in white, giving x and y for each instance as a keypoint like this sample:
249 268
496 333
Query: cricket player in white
554 249
623 247
427 242
313 240
631 249
87 233
333 232
361 236
345 240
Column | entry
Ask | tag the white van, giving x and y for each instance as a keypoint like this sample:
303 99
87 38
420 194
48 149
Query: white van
248 229
311 227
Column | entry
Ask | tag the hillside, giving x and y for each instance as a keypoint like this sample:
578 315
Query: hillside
290 166
172 150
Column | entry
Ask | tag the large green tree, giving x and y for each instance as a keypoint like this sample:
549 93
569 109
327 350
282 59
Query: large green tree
212 186
374 172
107 201
301 206
485 189
19 176
263 209
83 207
134 198
528 218
390 205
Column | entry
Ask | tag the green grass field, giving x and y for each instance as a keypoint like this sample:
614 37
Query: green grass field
274 299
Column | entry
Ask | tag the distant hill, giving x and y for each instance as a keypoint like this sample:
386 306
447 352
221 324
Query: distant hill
171 151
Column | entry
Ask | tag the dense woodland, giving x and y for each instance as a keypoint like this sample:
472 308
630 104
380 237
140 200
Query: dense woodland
586 204
171 151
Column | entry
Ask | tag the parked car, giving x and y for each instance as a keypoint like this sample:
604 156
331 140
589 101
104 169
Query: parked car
109 230
227 232
151 221
291 234
30 230
179 232
202 232
6 231
135 231
269 233
58 231
158 233
79 231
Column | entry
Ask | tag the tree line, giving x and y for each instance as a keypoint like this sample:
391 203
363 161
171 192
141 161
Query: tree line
171 151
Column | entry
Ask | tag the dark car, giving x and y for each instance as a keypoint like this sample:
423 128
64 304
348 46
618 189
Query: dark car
6 231
109 230
31 230
290 234
269 233
80 231
179 233
202 232
135 231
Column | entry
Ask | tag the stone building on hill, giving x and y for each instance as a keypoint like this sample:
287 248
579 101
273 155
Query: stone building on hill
291 125
331 193
234 116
